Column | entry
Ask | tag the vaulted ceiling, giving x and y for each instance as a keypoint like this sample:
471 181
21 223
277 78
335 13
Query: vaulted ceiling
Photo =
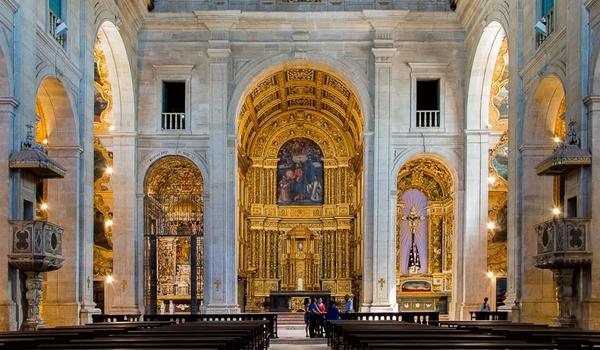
302 89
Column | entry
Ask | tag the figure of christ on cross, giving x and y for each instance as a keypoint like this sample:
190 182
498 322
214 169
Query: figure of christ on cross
414 262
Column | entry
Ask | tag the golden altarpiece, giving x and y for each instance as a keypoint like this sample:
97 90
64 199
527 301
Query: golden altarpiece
300 186
424 236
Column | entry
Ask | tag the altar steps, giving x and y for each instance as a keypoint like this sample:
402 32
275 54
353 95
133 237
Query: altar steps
290 318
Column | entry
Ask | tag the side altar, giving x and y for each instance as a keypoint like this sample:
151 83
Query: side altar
294 300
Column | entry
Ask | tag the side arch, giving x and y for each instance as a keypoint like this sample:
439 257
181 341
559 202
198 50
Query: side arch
110 42
482 69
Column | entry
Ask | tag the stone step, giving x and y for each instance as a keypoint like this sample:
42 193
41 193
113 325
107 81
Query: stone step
290 318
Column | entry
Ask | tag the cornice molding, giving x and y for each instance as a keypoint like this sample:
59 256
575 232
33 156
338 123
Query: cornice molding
9 101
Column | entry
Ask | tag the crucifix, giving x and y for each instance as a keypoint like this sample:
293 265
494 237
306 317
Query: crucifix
381 283
414 262
217 284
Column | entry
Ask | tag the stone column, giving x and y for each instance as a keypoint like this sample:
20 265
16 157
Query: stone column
123 297
563 284
592 303
85 112
34 284
8 308
471 260
379 277
62 304
537 299
220 281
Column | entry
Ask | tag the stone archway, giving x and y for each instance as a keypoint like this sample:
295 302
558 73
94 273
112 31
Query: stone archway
62 301
114 160
486 129
173 236
541 125
299 122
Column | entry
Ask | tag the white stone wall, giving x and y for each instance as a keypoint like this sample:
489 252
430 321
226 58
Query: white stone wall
221 54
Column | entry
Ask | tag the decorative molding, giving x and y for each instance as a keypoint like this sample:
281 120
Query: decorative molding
184 69
9 101
427 65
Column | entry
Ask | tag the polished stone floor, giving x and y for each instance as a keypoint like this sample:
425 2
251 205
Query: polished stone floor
294 338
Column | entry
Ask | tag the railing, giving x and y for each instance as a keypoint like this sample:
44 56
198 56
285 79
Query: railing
562 243
489 316
37 245
411 317
53 21
177 319
173 121
549 17
428 119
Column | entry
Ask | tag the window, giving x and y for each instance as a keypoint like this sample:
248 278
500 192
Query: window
428 104
56 25
546 19
173 105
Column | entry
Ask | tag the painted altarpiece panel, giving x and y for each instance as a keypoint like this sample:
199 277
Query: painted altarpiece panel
300 173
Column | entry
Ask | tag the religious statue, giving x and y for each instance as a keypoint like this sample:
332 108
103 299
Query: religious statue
414 262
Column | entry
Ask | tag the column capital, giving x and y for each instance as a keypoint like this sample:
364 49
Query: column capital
592 102
218 55
384 54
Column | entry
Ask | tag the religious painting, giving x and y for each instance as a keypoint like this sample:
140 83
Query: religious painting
300 173
500 162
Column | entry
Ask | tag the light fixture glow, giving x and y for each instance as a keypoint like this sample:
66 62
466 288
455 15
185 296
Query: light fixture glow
45 141
491 180
108 223
557 139
490 274
491 225
109 170
111 127
109 279
555 211
44 206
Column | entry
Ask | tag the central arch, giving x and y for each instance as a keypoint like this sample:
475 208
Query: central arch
300 174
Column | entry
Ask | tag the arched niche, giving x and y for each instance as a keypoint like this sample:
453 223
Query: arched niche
424 233
173 236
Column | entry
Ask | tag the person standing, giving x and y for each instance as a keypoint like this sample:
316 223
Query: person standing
313 310
321 306
307 315
333 313
485 307
348 307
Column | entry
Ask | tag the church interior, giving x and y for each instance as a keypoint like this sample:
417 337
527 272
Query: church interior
401 160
